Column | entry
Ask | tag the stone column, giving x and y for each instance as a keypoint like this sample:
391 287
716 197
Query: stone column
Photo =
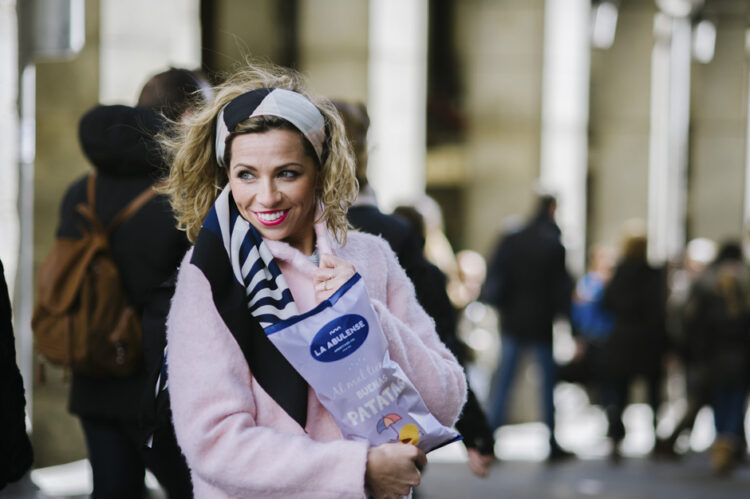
746 207
397 83
139 38
23 289
10 185
48 31
501 48
668 151
9 129
334 55
565 115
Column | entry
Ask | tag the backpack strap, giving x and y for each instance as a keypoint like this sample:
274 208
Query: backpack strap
88 209
91 191
132 207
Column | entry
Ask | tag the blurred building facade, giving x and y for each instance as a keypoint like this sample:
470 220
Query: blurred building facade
476 102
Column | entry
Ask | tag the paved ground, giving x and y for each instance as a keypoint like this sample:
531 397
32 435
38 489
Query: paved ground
633 478
641 478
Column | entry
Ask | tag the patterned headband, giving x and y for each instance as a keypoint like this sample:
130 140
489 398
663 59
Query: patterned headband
291 106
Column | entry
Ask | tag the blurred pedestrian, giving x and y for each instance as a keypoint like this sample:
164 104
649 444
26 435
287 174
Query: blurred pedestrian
437 247
590 323
175 94
407 241
16 455
718 329
699 253
472 271
431 286
270 171
529 284
636 297
120 142
364 213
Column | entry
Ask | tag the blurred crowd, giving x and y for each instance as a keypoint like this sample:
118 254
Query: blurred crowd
632 322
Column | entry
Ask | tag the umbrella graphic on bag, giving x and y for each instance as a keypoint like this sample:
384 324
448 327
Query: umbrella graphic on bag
387 421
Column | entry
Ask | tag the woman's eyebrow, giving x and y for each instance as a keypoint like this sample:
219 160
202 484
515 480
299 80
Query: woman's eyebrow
244 165
287 165
282 165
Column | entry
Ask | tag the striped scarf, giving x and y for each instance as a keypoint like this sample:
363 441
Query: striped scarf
244 277
253 265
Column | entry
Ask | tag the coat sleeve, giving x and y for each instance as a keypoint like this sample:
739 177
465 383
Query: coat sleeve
214 412
414 344
17 455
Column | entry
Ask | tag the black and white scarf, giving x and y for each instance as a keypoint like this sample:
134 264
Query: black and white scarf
268 297
251 294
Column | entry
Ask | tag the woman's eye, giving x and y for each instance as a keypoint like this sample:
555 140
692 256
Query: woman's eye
245 175
288 174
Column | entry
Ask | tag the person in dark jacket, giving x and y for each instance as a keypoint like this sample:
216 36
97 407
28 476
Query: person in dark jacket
406 238
120 143
430 285
699 253
636 297
718 332
17 455
364 213
174 94
528 283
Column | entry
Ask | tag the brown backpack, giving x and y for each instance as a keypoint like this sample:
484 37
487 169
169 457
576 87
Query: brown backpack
82 317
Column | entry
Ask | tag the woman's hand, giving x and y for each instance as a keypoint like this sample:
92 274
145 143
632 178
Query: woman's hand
332 273
393 469
479 463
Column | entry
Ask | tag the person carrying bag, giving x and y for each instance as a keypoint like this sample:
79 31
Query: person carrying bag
261 180
82 317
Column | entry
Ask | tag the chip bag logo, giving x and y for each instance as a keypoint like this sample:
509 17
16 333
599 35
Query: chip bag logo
339 338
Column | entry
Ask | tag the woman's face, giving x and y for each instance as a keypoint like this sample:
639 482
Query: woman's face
273 183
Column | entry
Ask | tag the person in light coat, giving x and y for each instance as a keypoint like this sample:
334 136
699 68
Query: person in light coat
265 158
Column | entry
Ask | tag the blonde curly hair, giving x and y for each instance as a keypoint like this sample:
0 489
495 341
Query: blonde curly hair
196 179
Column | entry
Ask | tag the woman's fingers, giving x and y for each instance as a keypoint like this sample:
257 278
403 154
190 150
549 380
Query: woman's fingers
392 469
420 460
332 273
339 266
322 279
327 260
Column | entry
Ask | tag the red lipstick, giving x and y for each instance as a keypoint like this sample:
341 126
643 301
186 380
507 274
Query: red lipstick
269 223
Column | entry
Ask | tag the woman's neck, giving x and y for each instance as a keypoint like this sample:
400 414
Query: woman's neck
305 245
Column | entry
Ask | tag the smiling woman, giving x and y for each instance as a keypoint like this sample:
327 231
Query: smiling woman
273 182
251 101
261 180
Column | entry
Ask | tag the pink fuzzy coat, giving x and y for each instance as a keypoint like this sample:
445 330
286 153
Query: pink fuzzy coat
237 440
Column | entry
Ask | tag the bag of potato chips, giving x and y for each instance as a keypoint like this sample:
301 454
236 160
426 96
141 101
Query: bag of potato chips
340 350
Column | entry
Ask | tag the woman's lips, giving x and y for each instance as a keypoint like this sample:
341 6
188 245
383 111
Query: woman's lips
269 218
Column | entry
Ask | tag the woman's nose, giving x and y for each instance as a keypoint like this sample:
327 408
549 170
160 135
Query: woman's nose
269 195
